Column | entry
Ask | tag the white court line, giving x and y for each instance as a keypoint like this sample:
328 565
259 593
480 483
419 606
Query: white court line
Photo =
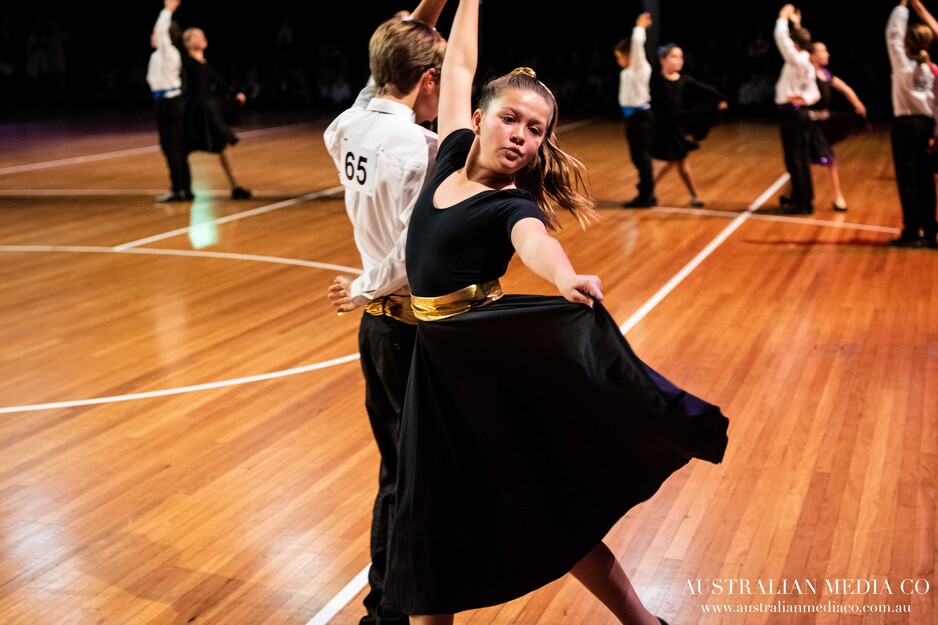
103 156
163 252
78 160
846 225
340 600
77 192
695 262
182 389
223 220
221 193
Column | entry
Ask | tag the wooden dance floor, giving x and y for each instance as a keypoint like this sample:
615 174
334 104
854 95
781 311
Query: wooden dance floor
182 428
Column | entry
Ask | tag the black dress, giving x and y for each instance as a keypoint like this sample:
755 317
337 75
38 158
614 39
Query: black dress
685 111
530 427
833 126
207 96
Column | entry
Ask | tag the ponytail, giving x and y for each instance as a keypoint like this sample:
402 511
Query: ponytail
918 39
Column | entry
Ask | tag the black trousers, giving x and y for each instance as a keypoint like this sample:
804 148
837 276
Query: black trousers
640 131
387 348
170 122
914 174
795 128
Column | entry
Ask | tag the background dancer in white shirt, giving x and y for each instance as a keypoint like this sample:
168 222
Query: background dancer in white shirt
795 91
164 75
384 158
635 102
915 106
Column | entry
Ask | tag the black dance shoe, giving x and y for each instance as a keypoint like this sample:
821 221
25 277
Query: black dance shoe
904 241
797 209
240 193
641 202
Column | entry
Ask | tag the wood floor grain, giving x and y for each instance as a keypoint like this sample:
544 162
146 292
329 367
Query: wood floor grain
193 465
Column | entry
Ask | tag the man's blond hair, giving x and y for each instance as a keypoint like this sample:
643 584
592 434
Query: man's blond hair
400 51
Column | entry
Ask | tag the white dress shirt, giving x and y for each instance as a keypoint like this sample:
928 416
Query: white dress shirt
384 160
798 78
164 71
634 80
913 83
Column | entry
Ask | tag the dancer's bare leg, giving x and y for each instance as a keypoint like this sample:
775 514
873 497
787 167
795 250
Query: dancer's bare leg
603 576
839 200
661 168
683 167
227 167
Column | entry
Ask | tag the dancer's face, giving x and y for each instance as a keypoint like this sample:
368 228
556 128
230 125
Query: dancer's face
622 58
820 56
512 129
197 40
673 61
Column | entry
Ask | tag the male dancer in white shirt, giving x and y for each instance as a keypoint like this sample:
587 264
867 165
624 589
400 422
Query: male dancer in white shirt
795 91
164 75
384 157
635 102
915 123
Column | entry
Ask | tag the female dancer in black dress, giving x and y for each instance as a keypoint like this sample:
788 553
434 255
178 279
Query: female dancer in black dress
685 110
829 126
206 129
530 427
832 127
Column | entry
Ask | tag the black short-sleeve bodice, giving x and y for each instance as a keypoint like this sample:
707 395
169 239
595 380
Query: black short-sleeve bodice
469 242
824 86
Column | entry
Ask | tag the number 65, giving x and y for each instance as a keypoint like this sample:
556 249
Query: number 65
350 168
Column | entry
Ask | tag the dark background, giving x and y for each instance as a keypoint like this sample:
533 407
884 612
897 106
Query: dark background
68 59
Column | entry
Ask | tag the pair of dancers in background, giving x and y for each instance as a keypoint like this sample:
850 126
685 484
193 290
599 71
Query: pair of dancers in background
667 113
188 98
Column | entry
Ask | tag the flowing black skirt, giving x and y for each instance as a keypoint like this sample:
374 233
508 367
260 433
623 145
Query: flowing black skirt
670 142
530 428
837 127
206 128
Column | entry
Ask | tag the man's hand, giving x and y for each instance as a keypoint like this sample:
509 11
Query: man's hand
339 295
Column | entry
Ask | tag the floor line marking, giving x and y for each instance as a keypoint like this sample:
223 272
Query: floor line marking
155 251
103 156
95 401
695 262
260 210
341 599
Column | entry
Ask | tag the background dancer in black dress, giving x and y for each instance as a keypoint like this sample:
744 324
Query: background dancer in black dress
206 128
829 127
530 427
685 110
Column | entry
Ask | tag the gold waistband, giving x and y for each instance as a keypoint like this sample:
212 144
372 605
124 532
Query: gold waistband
463 300
394 306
